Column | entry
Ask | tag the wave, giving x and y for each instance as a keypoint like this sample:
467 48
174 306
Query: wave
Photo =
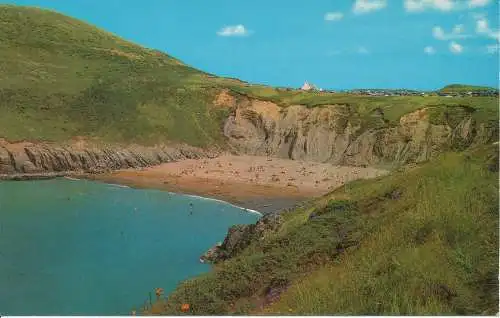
70 178
225 202
118 185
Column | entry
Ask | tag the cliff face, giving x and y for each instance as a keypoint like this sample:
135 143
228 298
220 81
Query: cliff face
240 236
29 158
335 134
339 135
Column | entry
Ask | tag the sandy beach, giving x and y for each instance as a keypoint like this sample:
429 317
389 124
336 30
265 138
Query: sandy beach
260 183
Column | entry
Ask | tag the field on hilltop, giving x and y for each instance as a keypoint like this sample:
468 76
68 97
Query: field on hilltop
61 78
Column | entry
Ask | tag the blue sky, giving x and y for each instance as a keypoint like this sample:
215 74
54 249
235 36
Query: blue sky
335 44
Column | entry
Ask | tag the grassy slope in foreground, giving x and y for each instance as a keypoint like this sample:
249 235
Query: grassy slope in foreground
420 241
60 78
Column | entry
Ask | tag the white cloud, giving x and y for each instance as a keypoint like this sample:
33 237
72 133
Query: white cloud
413 5
457 33
483 28
493 48
429 50
443 5
478 3
366 6
333 16
363 50
456 48
421 5
233 30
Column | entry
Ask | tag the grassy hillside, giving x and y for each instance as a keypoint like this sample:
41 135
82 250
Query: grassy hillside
423 240
60 78
459 88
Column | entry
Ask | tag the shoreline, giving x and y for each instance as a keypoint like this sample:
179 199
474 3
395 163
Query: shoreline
260 184
225 202
260 205
188 195
35 176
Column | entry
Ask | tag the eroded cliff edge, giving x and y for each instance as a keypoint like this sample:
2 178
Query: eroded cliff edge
340 134
39 159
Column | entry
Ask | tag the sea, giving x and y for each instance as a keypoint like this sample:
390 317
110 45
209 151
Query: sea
79 247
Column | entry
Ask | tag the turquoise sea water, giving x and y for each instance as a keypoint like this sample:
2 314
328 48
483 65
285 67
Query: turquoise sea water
87 248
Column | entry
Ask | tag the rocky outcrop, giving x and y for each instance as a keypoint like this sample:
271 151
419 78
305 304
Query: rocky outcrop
339 135
38 160
240 236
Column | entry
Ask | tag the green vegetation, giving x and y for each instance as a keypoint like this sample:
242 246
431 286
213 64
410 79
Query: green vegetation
459 88
423 240
392 107
61 78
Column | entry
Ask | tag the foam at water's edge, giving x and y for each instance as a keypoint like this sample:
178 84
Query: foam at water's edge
221 201
70 178
111 184
118 185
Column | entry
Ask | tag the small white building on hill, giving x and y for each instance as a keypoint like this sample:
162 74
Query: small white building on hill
307 86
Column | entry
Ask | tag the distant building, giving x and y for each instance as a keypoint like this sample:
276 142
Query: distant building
307 86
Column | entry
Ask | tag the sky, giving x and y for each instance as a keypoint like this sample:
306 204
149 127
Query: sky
334 44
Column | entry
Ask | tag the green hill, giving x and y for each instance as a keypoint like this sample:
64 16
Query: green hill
459 88
60 77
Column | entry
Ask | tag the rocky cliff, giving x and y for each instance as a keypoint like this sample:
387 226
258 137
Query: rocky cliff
42 158
340 135
240 236
336 134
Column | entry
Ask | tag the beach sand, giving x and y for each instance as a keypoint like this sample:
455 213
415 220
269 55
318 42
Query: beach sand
259 183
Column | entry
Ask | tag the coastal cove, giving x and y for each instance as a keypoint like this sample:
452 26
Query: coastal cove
170 181
84 247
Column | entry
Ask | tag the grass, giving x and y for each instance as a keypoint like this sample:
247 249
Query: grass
460 88
423 240
435 253
61 78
